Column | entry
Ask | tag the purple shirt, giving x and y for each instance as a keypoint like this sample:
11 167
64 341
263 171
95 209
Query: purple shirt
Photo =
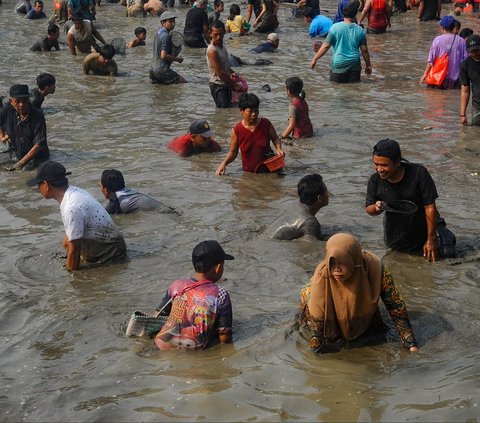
457 55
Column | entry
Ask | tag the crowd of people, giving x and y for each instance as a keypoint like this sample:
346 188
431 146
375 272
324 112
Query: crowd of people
340 304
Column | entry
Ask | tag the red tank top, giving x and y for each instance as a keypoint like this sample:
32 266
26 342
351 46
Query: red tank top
303 127
254 146
377 17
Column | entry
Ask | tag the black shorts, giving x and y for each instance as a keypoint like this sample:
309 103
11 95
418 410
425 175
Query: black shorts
222 95
345 77
167 77
194 41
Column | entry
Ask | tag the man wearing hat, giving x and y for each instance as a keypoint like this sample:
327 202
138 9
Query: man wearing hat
197 140
200 311
90 234
23 127
470 77
397 179
269 46
160 72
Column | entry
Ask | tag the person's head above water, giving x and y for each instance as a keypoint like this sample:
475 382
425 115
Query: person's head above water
308 14
273 39
447 23
107 51
387 160
20 98
200 133
111 181
217 32
234 11
208 258
312 192
351 10
248 101
51 180
388 148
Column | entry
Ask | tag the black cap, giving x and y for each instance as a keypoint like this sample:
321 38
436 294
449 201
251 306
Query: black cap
19 91
201 127
388 148
473 42
207 254
49 172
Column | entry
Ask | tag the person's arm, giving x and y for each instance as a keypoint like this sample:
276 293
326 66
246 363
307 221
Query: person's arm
301 3
277 142
164 55
439 8
71 44
29 156
430 247
372 205
427 69
320 53
374 209
421 7
224 321
3 135
397 310
249 12
464 99
366 57
86 67
292 122
73 255
260 16
366 9
231 155
97 35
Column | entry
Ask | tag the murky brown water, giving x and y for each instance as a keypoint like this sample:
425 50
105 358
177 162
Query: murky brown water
64 357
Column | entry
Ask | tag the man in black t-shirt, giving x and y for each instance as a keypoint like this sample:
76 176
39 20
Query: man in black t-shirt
470 75
429 10
398 180
195 32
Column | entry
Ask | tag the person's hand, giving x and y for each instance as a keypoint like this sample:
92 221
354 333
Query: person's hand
422 79
379 206
413 349
221 170
368 70
4 138
430 251
313 63
179 59
18 166
463 120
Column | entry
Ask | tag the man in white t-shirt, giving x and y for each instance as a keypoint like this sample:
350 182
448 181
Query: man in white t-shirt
81 35
90 233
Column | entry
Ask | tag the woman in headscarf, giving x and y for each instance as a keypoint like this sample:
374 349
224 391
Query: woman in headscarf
341 300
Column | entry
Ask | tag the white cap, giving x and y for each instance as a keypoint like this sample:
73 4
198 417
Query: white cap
272 37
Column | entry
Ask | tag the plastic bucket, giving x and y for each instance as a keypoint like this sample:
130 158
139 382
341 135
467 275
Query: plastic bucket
275 163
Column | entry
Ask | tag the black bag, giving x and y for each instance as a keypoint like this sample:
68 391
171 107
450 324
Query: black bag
446 247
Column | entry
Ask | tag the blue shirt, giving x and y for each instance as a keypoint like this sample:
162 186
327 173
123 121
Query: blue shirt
266 47
320 26
346 39
341 5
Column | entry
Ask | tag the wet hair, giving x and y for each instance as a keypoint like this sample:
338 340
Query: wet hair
38 2
77 16
309 13
309 188
295 86
52 29
217 3
248 101
139 30
234 11
456 25
107 51
465 32
44 80
112 180
217 25
351 10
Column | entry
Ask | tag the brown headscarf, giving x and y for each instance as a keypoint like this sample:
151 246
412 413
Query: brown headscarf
346 307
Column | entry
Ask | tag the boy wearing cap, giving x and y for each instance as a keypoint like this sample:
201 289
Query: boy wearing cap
269 46
200 312
90 233
124 200
470 77
197 140
395 179
160 72
23 127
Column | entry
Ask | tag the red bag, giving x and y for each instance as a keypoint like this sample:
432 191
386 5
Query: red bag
438 71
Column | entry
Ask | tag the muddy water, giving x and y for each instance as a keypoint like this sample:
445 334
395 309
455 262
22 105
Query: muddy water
64 356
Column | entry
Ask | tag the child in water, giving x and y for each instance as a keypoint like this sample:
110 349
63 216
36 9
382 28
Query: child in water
298 120
141 35
236 23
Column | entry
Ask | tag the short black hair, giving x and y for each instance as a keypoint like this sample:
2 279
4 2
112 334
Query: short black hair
217 3
351 10
457 24
52 29
77 16
294 85
139 30
44 80
38 2
309 13
112 179
217 25
309 188
248 101
107 51
203 266
465 32
234 11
